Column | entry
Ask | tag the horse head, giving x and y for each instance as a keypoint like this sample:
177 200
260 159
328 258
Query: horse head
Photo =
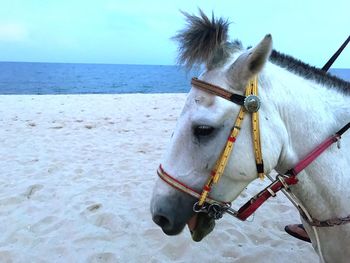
205 124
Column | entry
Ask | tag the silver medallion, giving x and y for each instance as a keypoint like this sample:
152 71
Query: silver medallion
252 103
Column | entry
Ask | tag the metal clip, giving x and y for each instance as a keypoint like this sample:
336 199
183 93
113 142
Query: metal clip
200 209
272 193
338 143
215 210
281 178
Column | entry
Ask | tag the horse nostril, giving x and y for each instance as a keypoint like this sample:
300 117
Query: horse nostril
161 221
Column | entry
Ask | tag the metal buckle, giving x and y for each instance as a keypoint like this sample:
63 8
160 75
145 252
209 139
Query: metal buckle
281 178
272 193
338 143
215 210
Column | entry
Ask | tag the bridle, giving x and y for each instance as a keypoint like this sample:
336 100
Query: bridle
250 103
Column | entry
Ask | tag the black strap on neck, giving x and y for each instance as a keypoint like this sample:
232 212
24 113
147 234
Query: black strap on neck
329 63
342 130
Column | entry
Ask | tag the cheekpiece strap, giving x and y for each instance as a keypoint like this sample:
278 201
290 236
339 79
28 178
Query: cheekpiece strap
251 89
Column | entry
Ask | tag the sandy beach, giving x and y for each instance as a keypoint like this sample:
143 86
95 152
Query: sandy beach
76 178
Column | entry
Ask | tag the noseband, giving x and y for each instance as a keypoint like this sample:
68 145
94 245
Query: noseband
250 103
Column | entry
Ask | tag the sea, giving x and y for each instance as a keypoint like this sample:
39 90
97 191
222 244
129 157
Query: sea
74 78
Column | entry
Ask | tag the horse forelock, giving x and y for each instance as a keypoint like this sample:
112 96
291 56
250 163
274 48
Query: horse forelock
204 40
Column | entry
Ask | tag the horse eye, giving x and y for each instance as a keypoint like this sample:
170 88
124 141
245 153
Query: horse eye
203 130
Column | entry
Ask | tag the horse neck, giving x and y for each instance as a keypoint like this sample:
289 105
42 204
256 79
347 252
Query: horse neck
310 114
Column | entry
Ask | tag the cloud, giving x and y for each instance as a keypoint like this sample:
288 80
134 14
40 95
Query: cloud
12 32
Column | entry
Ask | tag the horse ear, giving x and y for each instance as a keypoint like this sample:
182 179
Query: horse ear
251 62
259 55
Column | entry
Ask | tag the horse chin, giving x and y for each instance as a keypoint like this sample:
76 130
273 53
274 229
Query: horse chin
173 231
200 225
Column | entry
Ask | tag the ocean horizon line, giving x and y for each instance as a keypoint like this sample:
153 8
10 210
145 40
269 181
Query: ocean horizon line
110 63
91 78
89 63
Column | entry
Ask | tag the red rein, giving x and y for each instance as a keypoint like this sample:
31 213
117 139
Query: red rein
291 177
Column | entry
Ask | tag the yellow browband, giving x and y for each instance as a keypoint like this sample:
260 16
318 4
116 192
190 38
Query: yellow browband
251 89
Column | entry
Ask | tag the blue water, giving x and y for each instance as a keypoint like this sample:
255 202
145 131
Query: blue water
64 78
341 73
61 78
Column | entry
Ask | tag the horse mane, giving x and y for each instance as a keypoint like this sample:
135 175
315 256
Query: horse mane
306 71
204 40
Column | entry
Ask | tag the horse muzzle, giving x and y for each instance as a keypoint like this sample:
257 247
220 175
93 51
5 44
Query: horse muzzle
172 212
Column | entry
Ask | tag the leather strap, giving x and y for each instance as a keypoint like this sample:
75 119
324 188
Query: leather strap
255 202
256 133
216 90
290 179
182 187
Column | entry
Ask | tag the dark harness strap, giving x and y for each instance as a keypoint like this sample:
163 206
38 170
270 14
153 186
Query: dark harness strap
329 63
216 90
342 130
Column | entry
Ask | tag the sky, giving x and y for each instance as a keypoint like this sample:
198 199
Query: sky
139 32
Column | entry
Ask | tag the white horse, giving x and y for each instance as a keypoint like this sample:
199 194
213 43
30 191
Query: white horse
300 107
